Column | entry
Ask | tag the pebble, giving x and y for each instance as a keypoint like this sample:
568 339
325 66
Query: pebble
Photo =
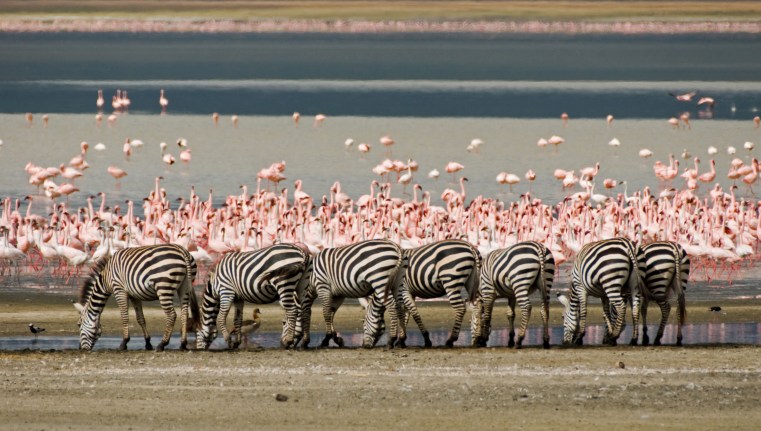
281 397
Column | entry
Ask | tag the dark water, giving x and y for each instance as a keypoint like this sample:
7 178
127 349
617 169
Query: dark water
415 75
694 334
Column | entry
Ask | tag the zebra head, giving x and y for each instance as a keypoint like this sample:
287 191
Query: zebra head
207 331
570 323
90 328
375 325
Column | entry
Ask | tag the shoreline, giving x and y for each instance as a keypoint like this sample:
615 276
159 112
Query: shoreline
27 25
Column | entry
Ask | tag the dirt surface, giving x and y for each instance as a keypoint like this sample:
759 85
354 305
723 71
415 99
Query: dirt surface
496 388
695 387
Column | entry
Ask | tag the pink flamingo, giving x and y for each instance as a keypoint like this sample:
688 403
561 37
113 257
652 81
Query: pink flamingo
163 101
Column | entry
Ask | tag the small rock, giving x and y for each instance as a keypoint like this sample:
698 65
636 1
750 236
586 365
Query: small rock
621 365
281 397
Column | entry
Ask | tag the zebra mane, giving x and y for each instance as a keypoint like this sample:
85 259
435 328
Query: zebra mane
86 290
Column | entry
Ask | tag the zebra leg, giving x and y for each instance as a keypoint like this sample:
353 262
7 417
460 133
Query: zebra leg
606 318
304 320
326 298
289 304
121 300
458 304
682 308
545 312
643 312
665 311
618 325
138 305
488 297
525 305
635 318
511 321
395 311
166 300
237 324
411 307
225 303
582 325
184 312
337 301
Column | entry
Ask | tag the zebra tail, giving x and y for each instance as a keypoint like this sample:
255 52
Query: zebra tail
194 317
395 281
541 279
474 280
678 289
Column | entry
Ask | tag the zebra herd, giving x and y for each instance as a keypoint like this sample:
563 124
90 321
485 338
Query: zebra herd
617 271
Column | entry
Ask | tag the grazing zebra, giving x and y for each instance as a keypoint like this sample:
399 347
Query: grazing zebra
665 268
514 273
372 269
261 277
434 270
139 274
607 270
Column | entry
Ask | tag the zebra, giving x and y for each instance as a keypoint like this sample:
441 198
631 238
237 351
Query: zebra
665 268
261 277
434 270
514 273
371 268
606 269
139 274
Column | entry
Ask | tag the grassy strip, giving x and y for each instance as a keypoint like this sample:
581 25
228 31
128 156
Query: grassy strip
582 10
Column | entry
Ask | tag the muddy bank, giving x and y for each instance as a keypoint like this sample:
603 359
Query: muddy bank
496 388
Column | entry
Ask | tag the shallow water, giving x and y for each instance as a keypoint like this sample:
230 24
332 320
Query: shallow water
694 334
225 157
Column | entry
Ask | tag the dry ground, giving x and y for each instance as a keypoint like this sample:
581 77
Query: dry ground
696 387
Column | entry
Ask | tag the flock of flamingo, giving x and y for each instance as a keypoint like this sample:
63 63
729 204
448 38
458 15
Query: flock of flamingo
718 229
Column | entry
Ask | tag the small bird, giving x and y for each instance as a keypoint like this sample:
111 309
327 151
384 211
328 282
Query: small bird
35 330
250 326
715 309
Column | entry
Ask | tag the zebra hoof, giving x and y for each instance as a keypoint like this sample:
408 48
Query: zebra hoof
427 339
148 345
657 343
339 341
546 344
633 342
184 346
326 340
646 341
511 343
579 342
679 341
612 342
160 347
450 343
401 343
123 345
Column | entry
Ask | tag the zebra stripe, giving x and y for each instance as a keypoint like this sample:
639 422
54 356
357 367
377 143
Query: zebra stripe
369 268
260 277
514 273
607 270
140 274
665 268
434 270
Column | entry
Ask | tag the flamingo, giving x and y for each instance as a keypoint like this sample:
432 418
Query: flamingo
296 116
234 120
708 177
685 97
318 120
116 172
163 101
475 146
99 102
215 118
452 168
564 118
185 155
556 140
609 119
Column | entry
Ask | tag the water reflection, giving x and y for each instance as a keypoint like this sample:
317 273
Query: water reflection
694 334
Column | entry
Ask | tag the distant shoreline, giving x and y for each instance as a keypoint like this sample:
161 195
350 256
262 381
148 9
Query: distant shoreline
222 26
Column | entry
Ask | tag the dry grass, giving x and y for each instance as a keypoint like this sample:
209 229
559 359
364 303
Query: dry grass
393 10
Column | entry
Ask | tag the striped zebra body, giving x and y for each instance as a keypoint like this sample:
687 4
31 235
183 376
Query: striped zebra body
665 268
365 269
607 270
139 274
260 277
434 270
514 273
